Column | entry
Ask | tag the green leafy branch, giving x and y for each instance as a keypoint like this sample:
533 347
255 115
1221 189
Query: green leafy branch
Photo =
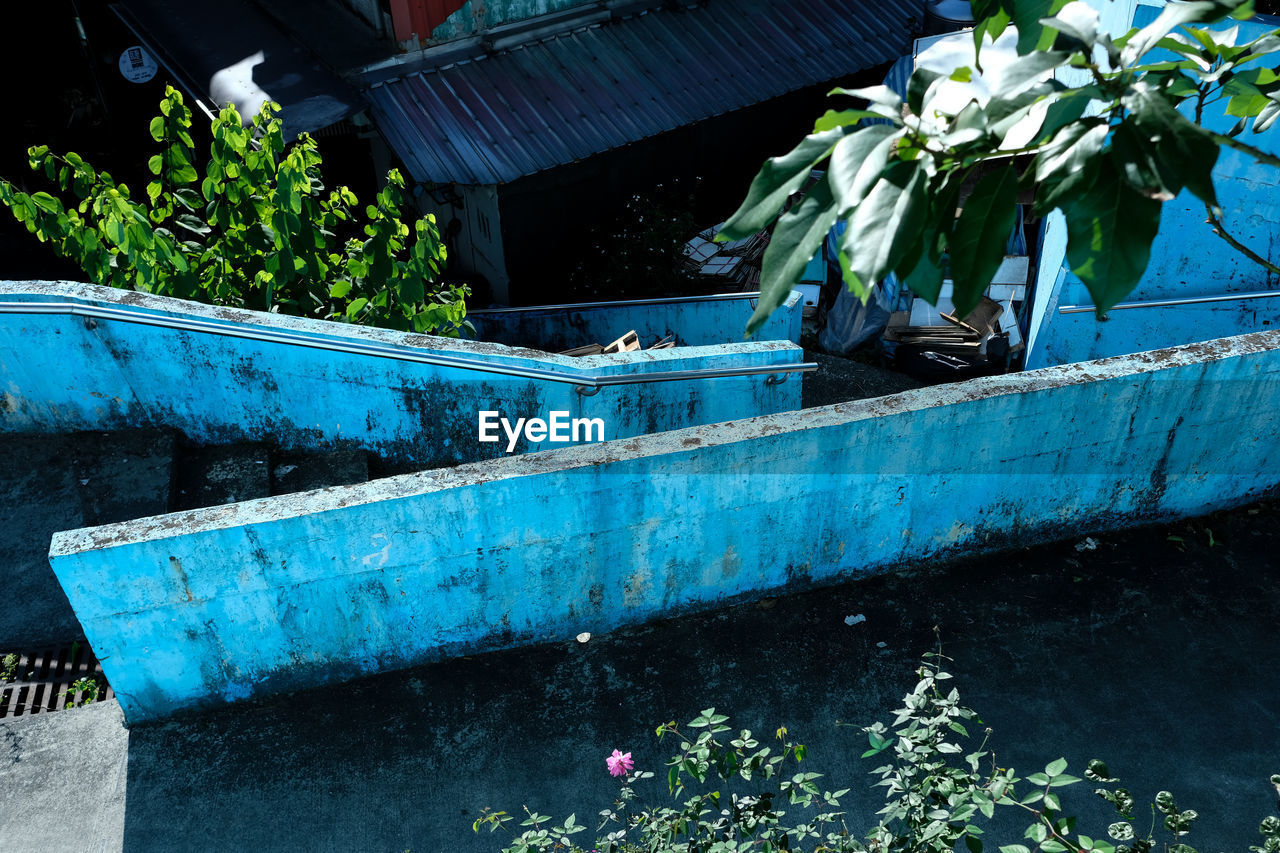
931 187
256 228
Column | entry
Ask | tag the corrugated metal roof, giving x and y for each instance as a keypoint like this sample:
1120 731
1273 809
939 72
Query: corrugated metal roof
495 118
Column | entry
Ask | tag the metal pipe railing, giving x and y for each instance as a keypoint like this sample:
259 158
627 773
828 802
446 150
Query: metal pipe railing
713 297
1166 303
93 313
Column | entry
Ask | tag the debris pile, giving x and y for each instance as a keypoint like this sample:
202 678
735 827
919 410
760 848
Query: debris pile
725 267
629 342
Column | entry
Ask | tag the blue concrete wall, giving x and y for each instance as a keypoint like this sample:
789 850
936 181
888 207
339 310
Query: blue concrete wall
60 374
1187 260
193 609
697 321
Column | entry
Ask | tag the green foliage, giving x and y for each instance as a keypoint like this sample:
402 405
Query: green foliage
1106 152
8 667
741 796
85 688
715 821
254 227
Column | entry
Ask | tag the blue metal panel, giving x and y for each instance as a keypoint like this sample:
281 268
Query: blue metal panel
496 118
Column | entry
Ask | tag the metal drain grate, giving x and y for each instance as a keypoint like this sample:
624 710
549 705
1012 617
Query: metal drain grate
41 680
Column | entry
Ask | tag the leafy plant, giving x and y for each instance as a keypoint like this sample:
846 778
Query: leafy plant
85 688
933 184
750 818
255 227
936 795
8 667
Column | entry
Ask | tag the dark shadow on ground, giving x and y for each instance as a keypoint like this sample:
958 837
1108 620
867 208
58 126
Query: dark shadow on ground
1159 659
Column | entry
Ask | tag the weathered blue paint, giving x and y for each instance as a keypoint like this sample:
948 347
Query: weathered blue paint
474 17
1187 260
193 609
60 373
691 322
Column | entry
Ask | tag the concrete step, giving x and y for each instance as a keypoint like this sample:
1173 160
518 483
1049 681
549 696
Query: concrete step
124 475
211 476
62 482
297 472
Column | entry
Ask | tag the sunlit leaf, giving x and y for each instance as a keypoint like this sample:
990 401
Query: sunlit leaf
1110 229
856 163
778 178
1069 163
796 239
1175 15
887 222
977 245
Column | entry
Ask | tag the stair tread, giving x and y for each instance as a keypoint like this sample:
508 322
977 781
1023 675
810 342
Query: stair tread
296 472
125 474
212 476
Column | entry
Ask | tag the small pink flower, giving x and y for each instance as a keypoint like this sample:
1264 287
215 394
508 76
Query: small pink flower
620 763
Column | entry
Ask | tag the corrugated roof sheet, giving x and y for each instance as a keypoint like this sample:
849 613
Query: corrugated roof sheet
499 117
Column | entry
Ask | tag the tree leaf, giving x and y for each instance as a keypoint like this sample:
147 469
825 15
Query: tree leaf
918 86
778 178
1026 16
1077 22
992 26
1069 163
1175 15
887 223
1137 163
977 246
879 95
1110 229
856 163
832 119
924 277
796 238
46 202
1267 116
1184 152
1027 70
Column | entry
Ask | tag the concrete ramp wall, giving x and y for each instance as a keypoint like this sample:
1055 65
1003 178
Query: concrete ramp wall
194 609
222 375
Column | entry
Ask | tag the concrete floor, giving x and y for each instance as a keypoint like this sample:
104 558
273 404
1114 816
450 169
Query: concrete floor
1160 660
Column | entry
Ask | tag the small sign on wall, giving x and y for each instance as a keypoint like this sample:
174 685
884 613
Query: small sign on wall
136 65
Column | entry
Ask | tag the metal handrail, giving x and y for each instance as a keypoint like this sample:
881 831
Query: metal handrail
1165 303
713 297
582 380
